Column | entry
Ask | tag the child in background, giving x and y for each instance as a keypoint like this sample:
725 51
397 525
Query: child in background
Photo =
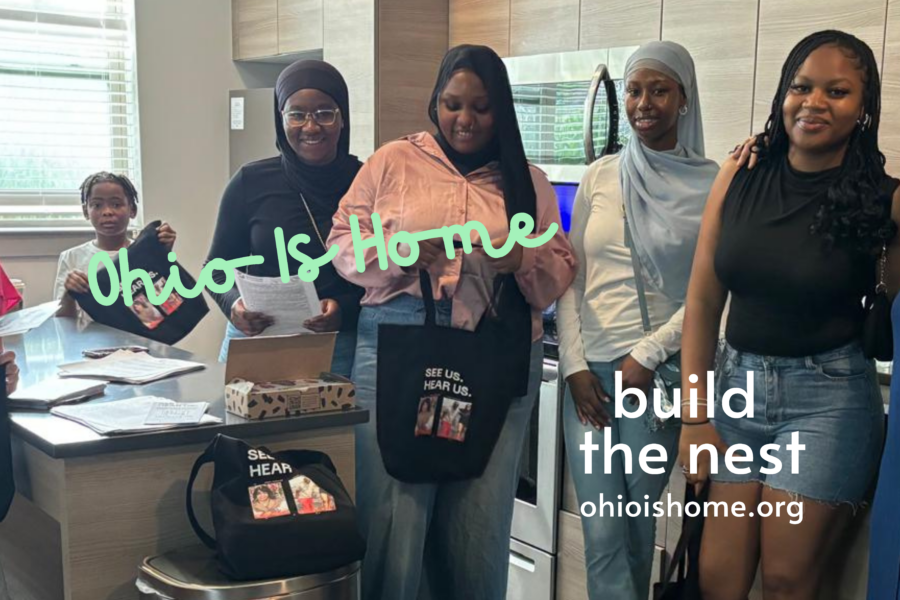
109 202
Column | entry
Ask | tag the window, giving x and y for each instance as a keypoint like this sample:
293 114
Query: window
68 100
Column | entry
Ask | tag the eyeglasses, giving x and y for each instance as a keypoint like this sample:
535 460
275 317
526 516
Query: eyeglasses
299 118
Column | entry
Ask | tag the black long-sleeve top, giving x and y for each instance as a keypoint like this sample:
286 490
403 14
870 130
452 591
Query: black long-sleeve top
257 200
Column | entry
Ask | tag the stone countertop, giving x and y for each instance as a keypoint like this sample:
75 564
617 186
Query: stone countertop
61 340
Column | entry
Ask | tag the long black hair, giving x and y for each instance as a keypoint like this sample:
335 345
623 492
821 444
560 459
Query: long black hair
856 213
106 177
518 188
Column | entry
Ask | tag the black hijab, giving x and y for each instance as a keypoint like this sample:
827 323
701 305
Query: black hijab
321 185
518 188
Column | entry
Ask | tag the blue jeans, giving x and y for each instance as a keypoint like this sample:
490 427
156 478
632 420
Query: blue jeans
618 550
433 540
341 360
833 403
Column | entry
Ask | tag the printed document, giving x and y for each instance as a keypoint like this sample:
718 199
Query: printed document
23 321
129 367
290 304
120 416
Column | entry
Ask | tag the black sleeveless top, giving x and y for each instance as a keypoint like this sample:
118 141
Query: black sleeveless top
790 295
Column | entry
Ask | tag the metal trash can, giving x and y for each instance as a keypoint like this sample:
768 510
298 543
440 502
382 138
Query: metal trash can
191 574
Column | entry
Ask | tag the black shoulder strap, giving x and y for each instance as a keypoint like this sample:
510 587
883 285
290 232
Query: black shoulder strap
689 536
207 457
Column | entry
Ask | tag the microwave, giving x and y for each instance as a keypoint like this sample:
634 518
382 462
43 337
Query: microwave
568 108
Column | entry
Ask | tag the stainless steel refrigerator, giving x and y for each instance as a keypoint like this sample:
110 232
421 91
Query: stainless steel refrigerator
252 126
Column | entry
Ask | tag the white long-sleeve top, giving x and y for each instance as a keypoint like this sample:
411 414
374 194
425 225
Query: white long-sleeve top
599 317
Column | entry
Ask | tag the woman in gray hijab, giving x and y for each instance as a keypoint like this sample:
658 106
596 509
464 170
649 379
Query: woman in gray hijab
634 229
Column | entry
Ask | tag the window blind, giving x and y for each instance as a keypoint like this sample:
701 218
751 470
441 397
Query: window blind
68 100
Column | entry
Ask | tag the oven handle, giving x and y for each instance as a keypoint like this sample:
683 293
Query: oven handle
521 561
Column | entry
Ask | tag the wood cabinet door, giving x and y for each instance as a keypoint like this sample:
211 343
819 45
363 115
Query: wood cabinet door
724 57
543 26
299 25
783 24
255 25
616 23
484 22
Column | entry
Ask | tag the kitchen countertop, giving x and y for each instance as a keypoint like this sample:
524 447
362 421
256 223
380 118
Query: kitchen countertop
61 340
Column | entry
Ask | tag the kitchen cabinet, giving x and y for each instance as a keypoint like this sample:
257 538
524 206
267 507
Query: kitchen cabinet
255 28
615 23
299 25
543 26
268 28
408 62
724 57
484 22
783 24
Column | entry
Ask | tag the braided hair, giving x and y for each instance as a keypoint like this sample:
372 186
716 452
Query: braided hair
106 177
856 212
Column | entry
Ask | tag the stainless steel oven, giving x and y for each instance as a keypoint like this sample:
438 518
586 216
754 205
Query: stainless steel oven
532 562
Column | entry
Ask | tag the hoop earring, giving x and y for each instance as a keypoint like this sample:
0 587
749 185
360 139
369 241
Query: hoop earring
864 122
683 110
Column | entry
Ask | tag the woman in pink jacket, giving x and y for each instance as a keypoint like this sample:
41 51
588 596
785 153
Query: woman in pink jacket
448 540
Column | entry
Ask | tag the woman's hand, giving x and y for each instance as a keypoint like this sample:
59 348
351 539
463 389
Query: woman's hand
12 370
329 320
747 153
696 435
166 235
589 397
636 375
249 323
505 264
77 281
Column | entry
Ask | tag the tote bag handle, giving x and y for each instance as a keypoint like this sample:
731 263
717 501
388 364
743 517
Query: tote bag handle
208 456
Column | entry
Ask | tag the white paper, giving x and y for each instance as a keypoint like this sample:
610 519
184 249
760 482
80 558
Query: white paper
129 367
290 304
56 391
237 113
119 416
22 321
177 413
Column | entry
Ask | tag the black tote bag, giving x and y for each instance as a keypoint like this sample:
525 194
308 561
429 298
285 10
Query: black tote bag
443 393
276 514
167 323
686 558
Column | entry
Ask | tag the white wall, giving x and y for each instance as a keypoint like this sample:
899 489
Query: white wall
184 74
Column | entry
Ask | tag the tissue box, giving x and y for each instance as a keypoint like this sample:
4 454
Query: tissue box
288 398
284 376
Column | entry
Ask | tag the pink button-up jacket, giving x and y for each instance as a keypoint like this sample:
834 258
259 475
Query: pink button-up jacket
414 187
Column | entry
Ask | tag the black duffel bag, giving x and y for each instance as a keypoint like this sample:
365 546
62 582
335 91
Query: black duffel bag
167 323
443 393
276 514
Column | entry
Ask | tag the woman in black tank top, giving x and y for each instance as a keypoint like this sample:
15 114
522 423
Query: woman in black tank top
795 242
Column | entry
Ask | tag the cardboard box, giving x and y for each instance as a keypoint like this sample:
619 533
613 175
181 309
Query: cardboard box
284 376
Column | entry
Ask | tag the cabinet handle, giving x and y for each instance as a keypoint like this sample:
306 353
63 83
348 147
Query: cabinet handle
521 561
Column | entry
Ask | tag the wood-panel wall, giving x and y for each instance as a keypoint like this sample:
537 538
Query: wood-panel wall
738 46
413 36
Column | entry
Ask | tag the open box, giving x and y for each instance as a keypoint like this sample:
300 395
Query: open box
284 376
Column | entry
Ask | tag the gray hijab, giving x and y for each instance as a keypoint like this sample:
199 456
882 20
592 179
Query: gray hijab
665 192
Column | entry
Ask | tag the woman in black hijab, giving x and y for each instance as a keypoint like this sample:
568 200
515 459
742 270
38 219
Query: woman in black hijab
450 539
299 191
